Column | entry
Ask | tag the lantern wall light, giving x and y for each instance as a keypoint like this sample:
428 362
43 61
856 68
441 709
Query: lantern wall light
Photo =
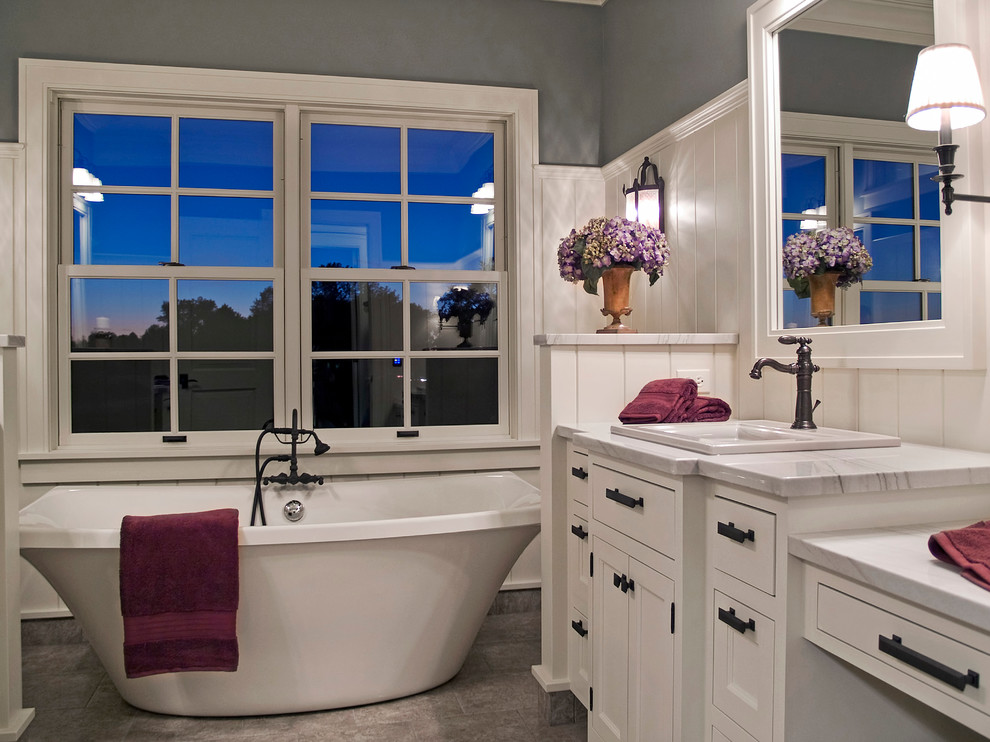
644 200
946 95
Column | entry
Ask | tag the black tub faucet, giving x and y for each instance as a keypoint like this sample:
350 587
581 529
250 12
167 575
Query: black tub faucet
803 368
296 436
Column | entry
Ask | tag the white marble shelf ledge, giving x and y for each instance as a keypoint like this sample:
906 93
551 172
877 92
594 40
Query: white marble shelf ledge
11 341
638 338
896 560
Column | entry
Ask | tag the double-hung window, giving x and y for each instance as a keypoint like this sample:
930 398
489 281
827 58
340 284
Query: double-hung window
169 285
202 292
404 271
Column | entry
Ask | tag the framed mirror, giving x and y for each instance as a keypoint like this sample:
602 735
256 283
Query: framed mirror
949 333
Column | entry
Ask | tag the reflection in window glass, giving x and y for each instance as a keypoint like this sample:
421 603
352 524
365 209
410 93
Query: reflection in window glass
892 248
216 153
797 312
224 315
445 315
129 314
451 236
928 192
122 150
119 396
803 183
357 315
216 230
355 234
121 229
357 393
225 394
892 306
450 163
883 189
931 254
354 159
454 391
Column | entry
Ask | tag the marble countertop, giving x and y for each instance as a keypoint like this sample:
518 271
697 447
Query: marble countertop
798 473
896 560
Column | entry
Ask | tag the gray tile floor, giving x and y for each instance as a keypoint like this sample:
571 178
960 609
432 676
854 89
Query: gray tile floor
494 697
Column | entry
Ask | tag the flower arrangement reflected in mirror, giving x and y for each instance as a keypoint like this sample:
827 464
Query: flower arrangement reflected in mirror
830 259
465 303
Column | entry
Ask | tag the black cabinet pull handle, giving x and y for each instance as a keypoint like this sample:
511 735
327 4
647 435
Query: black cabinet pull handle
579 472
623 583
729 530
579 532
622 499
578 626
927 665
729 617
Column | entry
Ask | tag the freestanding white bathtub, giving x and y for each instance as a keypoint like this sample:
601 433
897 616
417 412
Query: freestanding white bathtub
377 593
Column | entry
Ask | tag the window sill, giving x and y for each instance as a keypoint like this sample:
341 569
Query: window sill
400 457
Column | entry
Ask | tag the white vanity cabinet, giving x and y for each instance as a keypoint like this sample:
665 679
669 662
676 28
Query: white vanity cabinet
636 532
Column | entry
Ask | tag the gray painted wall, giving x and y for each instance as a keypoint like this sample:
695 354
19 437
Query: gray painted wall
553 47
663 60
844 76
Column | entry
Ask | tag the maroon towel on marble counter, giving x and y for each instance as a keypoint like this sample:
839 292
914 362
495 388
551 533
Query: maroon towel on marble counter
707 409
660 401
967 548
179 590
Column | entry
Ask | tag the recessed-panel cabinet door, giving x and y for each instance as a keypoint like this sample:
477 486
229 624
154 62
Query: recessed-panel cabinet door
610 669
651 659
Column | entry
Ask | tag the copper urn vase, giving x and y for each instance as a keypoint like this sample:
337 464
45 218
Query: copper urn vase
615 283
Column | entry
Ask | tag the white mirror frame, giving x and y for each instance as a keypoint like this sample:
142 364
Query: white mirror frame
957 341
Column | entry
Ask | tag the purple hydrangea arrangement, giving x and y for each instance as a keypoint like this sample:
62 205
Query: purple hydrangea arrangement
588 252
830 250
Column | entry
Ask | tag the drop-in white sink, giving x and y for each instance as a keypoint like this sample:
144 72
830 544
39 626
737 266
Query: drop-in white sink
752 436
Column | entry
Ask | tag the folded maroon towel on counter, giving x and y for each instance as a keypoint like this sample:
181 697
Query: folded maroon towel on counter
178 592
967 548
660 401
707 409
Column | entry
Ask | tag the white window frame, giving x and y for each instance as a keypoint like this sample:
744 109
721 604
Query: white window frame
44 82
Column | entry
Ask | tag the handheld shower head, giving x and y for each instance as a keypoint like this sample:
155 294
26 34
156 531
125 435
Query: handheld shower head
321 447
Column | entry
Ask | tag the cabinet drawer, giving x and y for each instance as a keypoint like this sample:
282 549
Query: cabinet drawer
579 655
745 540
742 671
578 557
578 473
642 510
951 669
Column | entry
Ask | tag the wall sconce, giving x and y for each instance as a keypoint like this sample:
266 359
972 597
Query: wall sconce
644 201
946 95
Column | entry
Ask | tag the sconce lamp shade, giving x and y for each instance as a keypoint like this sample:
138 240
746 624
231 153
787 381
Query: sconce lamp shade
644 200
945 81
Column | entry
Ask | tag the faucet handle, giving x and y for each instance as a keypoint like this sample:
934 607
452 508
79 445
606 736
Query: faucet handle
792 340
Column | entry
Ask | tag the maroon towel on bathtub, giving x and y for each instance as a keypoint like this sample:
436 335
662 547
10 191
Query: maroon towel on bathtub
967 548
178 592
661 401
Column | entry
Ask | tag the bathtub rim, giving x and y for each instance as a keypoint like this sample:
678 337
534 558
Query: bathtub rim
49 535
